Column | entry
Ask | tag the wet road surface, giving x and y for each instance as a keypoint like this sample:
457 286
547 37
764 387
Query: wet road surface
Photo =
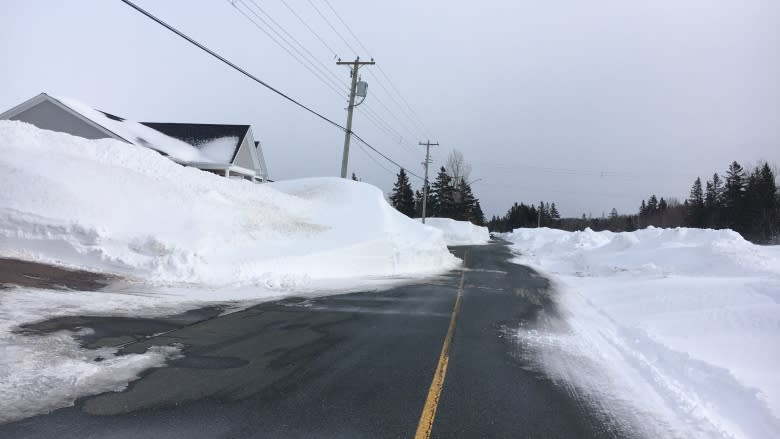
347 366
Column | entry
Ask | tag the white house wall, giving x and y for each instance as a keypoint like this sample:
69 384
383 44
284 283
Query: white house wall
257 153
244 157
247 156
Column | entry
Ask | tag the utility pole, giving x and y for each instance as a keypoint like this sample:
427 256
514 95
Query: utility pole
427 146
356 64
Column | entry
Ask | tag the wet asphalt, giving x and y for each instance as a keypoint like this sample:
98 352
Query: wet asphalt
345 366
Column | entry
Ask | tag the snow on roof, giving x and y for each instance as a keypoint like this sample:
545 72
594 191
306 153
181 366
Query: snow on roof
138 134
219 142
221 150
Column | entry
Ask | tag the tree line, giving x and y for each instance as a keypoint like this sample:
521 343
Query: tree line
449 196
745 201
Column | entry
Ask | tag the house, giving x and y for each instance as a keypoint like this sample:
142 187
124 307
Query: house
225 144
228 150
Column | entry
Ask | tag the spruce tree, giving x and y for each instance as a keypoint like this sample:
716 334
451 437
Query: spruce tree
712 201
402 197
761 205
463 203
554 214
734 198
541 221
652 205
477 216
442 202
695 217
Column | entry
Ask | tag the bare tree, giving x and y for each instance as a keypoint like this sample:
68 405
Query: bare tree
457 168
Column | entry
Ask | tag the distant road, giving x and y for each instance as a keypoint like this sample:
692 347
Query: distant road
413 360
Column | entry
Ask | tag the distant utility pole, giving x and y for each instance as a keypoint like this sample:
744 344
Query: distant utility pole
427 146
356 64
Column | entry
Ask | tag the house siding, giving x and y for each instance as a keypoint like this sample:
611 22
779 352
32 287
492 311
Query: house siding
244 155
49 116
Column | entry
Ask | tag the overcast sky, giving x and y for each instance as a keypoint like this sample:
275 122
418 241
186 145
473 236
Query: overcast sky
592 105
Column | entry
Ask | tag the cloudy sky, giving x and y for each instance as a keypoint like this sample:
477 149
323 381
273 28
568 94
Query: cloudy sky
592 104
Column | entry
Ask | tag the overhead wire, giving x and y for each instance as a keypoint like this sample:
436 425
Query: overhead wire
403 125
374 118
301 58
261 82
325 67
332 51
379 67
355 52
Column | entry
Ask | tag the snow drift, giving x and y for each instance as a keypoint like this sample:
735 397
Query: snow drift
681 326
107 206
460 232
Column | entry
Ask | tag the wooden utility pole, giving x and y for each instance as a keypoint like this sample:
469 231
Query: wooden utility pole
427 146
356 64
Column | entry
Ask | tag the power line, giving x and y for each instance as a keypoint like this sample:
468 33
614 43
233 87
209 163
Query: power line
375 160
377 120
237 68
302 60
335 55
360 139
333 28
368 52
387 128
311 55
259 81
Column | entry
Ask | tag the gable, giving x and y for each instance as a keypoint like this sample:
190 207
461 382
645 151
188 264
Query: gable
244 156
47 115
220 143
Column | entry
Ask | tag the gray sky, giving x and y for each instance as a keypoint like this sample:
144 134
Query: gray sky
592 105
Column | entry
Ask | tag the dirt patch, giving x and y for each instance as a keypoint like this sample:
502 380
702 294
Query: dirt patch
37 275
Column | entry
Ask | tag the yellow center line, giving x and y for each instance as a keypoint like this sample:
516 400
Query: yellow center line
425 425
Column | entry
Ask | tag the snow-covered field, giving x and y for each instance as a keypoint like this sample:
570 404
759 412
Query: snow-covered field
183 238
673 330
460 232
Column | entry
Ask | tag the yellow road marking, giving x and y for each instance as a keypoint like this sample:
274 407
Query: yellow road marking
425 425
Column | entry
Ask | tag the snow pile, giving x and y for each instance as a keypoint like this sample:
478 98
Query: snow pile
41 373
107 206
460 232
678 325
139 134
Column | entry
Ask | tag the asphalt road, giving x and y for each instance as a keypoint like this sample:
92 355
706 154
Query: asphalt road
357 365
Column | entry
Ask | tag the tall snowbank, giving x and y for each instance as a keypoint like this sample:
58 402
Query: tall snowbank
107 206
460 232
681 324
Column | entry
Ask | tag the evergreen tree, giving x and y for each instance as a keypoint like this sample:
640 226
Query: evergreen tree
762 205
652 205
554 214
402 197
442 204
463 202
477 216
695 217
712 201
734 197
